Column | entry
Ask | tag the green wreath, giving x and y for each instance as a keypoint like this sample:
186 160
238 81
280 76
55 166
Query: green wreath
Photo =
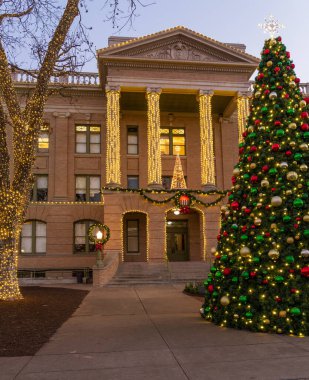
101 227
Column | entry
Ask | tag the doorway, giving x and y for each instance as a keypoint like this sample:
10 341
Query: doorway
177 240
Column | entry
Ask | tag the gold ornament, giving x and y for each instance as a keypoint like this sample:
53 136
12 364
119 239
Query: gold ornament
299 185
293 77
292 84
293 144
290 240
257 221
273 226
283 165
236 172
292 176
292 125
302 103
264 183
273 254
303 147
245 252
276 201
297 237
251 128
257 94
306 218
279 331
269 63
289 192
253 165
266 321
273 95
304 253
224 301
282 313
303 167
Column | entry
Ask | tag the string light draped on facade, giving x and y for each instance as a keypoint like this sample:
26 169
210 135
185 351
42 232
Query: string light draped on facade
113 173
207 148
243 110
154 153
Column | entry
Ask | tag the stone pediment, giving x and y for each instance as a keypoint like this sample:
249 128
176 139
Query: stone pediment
178 44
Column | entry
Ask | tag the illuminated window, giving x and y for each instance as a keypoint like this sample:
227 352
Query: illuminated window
43 139
132 140
87 138
40 189
133 182
87 188
81 240
173 141
33 237
132 232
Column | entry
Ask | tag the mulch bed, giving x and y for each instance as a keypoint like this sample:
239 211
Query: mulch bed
27 324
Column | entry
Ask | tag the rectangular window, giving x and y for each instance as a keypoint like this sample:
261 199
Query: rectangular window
82 244
87 138
132 140
166 182
40 189
87 188
132 236
43 139
133 182
173 141
33 237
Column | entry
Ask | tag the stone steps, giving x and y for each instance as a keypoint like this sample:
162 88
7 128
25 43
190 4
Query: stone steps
130 274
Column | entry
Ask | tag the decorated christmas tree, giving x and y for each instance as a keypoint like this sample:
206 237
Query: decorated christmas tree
178 180
260 277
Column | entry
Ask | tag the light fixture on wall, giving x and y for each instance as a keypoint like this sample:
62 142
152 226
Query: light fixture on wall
176 211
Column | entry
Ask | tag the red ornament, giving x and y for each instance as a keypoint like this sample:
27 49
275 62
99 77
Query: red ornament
260 76
266 51
227 271
245 134
293 66
293 290
254 178
304 115
273 189
253 148
306 100
277 69
247 210
304 127
218 237
245 196
291 270
275 147
210 288
225 233
244 228
234 180
288 54
253 226
265 282
278 299
279 39
304 271
277 123
297 80
257 122
288 153
265 168
267 234
266 92
249 158
298 218
279 88
218 257
241 150
253 274
296 225
287 96
235 205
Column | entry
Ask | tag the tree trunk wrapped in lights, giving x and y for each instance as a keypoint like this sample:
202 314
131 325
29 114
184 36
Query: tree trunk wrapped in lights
260 277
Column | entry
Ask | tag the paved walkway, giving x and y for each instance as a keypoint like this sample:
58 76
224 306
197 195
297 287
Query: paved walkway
155 333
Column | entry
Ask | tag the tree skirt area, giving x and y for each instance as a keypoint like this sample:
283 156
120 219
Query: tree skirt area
27 324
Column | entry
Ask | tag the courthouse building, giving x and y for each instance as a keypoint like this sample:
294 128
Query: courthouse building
175 91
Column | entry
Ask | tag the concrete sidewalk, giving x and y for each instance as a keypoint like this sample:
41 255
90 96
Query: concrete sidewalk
155 333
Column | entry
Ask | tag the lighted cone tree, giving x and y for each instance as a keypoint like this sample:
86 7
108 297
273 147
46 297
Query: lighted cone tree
260 277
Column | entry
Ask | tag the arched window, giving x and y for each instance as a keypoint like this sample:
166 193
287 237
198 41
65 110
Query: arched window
81 240
33 237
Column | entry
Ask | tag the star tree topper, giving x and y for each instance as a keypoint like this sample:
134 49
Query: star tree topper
271 26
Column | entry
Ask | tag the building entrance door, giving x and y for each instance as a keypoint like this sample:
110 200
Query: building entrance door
177 240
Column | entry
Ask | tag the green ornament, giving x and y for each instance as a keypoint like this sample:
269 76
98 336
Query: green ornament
253 190
206 283
207 309
245 275
259 238
298 203
286 218
279 279
290 111
224 258
306 233
279 64
215 294
249 315
306 135
272 218
256 260
246 176
264 109
297 156
280 133
231 197
295 311
243 299
252 135
218 274
234 226
244 237
290 259
235 280
213 269
273 171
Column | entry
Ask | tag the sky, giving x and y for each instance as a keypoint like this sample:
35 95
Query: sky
224 20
